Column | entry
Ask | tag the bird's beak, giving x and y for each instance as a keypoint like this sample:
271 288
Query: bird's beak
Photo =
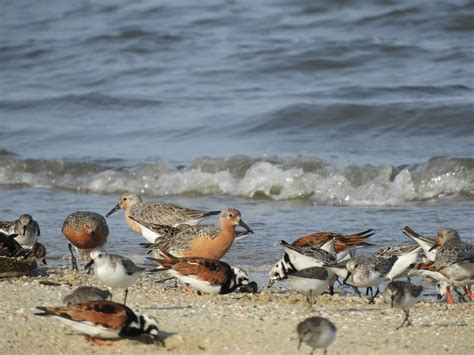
115 209
44 261
243 225
391 301
24 230
347 277
89 264
299 344
435 245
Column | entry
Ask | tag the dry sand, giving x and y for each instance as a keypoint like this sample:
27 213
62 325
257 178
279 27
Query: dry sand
233 324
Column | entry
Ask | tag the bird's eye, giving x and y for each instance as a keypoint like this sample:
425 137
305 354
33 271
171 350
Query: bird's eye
230 215
125 199
100 255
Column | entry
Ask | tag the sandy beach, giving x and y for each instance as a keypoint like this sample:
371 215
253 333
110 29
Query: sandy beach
235 323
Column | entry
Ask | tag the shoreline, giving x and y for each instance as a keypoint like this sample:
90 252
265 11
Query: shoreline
234 323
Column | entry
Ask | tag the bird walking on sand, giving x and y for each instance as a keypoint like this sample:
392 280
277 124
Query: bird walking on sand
156 213
316 332
26 229
115 271
205 275
404 295
85 231
205 241
104 320
86 293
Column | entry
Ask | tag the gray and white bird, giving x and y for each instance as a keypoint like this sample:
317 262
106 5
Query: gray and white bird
403 295
316 332
115 271
26 229
311 282
86 293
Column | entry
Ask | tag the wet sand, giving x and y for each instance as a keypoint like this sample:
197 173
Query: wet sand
232 324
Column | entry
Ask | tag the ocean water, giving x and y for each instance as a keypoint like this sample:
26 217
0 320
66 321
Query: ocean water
306 116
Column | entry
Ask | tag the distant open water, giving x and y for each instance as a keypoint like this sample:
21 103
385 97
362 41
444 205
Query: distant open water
334 115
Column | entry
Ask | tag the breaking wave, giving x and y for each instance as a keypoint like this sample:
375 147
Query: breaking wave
275 178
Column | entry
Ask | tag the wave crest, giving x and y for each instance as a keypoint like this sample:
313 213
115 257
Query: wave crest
272 177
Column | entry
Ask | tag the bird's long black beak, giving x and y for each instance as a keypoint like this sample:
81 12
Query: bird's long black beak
347 277
391 301
243 225
435 245
89 264
115 209
24 230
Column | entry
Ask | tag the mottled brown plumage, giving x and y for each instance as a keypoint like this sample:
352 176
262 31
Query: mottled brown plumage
342 242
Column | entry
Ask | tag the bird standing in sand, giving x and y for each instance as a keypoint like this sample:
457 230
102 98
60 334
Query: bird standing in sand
404 295
85 231
115 271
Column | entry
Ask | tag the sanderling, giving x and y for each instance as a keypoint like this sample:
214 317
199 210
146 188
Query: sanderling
316 332
26 229
404 295
115 271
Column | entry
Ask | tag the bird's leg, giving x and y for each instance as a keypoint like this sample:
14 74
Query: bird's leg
405 320
469 292
73 258
356 290
190 290
125 298
371 301
309 298
96 341
449 295
331 289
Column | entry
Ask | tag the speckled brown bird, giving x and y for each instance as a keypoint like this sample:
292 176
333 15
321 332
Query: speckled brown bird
156 213
341 241
85 231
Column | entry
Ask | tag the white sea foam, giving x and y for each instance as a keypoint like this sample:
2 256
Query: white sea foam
269 178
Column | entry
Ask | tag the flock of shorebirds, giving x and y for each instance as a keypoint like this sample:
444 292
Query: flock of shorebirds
191 252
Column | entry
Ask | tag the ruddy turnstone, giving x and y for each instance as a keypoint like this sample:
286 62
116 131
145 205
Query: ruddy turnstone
342 243
86 293
26 229
104 320
205 275
206 241
85 231
156 213
115 271
316 332
404 295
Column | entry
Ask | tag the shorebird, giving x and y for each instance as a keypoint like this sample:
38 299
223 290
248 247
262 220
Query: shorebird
85 231
10 248
299 258
342 243
26 229
425 243
404 295
206 241
205 275
104 320
86 293
406 254
115 271
316 332
311 282
454 259
156 213
369 272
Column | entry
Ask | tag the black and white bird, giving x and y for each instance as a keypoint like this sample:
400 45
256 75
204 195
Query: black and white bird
104 320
